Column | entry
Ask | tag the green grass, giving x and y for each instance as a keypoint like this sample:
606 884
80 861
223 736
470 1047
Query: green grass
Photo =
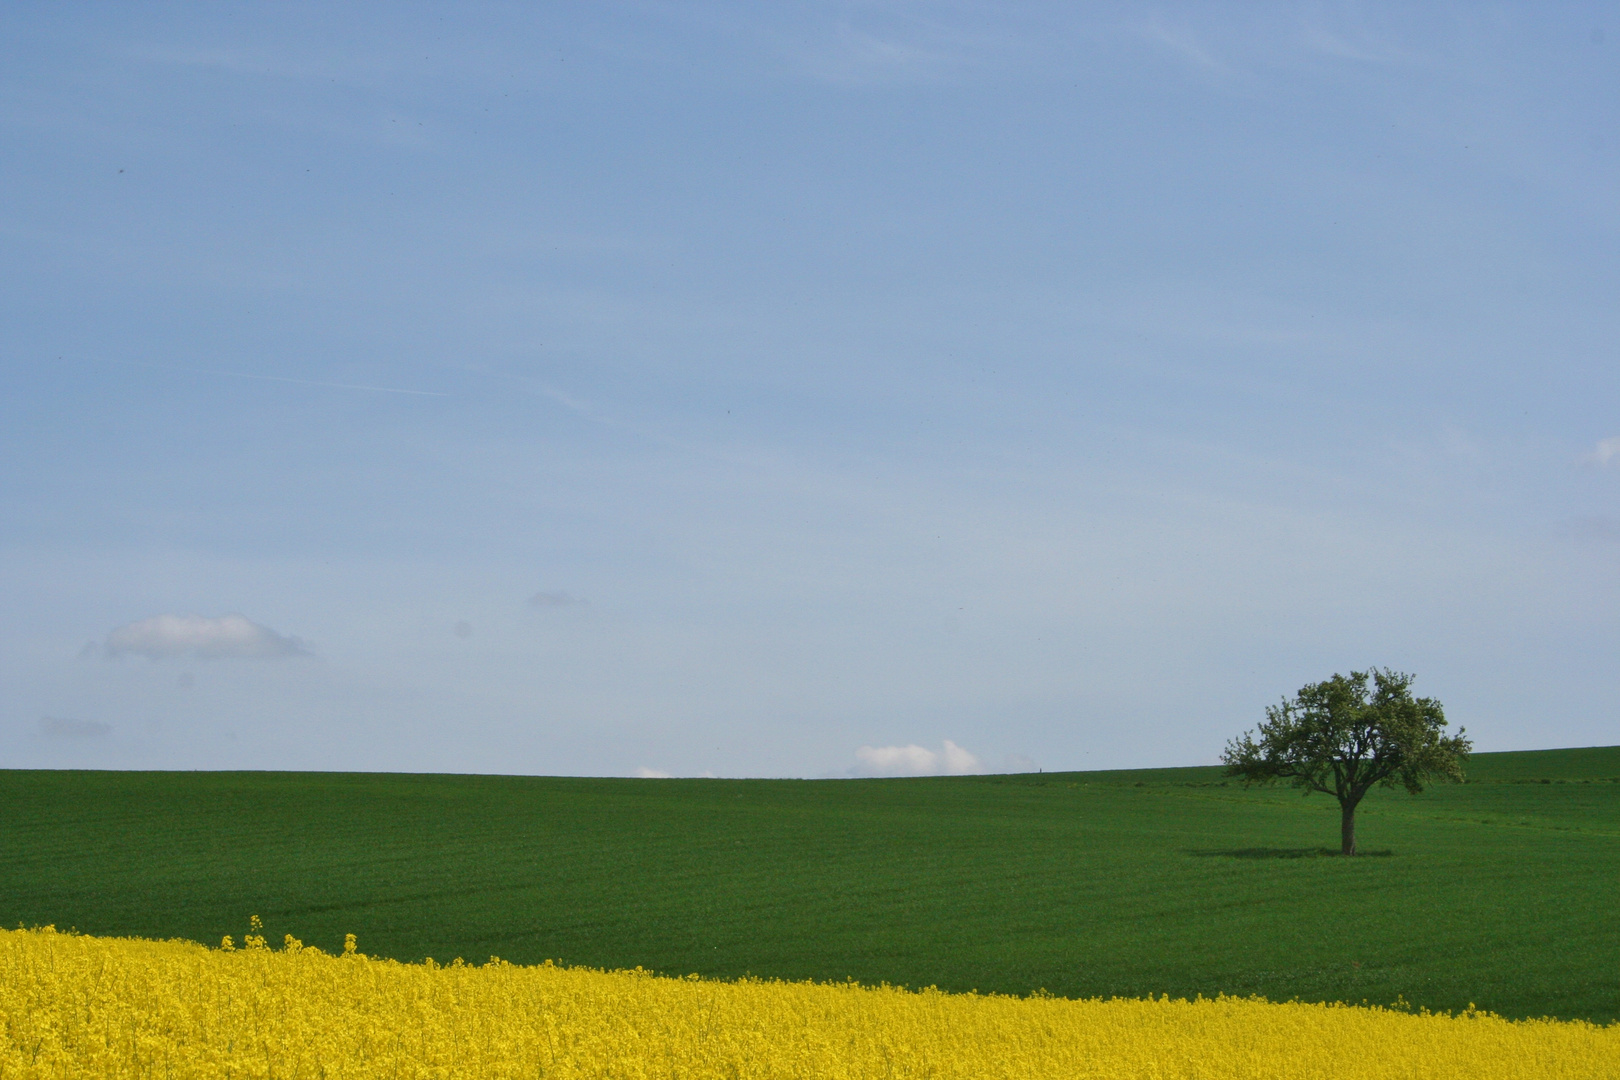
1500 892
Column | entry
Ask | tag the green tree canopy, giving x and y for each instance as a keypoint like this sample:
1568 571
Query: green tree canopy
1342 737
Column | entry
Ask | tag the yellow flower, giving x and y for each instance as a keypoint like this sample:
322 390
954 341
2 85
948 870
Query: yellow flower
76 1006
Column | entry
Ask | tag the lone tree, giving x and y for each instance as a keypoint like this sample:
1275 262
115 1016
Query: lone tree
1337 739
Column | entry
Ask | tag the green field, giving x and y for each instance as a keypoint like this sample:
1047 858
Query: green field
1501 892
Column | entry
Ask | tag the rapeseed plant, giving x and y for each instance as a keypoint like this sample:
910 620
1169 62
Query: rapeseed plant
76 1006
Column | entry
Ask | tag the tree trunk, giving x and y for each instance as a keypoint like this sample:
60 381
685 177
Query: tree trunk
1347 827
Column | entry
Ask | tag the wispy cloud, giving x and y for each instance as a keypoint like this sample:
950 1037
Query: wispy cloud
645 773
1605 453
914 760
554 599
166 636
1218 48
356 68
905 51
222 373
56 727
573 404
316 382
1366 51
1604 529
233 61
859 56
1183 42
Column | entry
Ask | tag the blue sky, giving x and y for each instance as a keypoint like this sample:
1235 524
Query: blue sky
799 390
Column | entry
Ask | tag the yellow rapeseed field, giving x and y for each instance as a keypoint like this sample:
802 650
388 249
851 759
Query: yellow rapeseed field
82 1006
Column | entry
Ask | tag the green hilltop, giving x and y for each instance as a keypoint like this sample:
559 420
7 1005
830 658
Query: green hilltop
1498 892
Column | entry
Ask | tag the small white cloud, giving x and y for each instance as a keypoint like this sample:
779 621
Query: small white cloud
1605 453
164 636
914 760
55 727
645 773
554 599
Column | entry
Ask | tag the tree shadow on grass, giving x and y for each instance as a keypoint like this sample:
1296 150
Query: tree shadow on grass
1282 853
